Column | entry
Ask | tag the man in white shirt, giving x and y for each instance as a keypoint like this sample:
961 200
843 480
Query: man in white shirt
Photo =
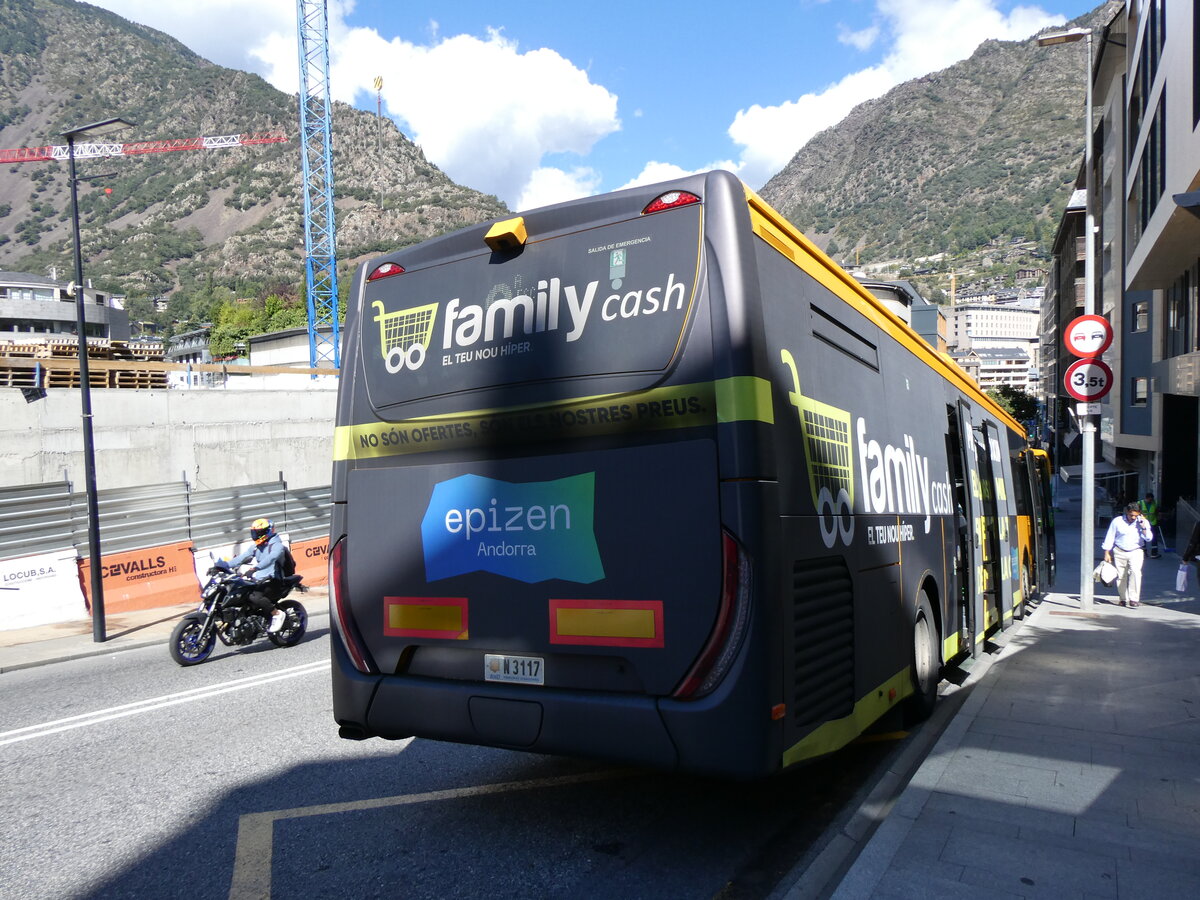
1122 546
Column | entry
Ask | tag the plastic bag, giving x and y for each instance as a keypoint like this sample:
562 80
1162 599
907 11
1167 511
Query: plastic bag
1181 578
1105 573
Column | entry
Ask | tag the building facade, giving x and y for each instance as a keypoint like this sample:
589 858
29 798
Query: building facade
34 307
1162 250
1145 81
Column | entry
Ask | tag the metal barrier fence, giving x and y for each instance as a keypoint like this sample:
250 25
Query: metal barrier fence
45 517
36 518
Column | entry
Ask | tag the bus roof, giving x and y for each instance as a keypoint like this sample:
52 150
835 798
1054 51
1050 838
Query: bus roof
768 220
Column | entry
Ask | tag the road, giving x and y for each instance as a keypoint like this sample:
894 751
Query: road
127 776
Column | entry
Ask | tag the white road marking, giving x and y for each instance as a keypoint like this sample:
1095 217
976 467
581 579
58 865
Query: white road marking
141 706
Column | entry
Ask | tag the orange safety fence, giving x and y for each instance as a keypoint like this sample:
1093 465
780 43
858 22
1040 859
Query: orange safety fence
312 560
144 579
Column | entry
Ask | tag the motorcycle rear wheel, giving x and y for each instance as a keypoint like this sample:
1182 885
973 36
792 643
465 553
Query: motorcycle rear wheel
186 647
294 625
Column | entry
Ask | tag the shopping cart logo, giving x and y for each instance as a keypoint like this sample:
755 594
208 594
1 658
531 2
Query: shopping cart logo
827 452
404 335
830 467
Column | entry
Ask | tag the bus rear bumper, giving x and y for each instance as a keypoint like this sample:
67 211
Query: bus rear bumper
613 727
717 735
601 726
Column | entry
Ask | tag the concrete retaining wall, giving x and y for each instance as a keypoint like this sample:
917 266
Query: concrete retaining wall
209 438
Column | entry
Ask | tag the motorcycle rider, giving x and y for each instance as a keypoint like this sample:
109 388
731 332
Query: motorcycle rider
263 562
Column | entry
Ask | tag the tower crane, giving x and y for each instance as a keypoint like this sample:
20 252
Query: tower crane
106 149
316 153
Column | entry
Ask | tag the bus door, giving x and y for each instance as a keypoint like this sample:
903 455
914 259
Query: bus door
1037 467
983 492
1001 543
968 556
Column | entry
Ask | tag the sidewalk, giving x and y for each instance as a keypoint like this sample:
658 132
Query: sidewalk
1072 768
22 648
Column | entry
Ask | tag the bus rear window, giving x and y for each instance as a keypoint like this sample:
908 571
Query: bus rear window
602 301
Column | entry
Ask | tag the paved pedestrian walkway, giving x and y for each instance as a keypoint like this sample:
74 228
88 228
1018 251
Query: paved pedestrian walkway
1072 768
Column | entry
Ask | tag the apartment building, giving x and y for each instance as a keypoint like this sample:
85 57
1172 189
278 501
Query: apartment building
1145 199
35 307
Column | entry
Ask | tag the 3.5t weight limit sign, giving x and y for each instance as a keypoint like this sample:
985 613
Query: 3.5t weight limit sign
1088 380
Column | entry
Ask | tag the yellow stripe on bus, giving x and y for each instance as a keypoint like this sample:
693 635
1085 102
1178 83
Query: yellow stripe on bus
738 399
837 733
950 646
744 399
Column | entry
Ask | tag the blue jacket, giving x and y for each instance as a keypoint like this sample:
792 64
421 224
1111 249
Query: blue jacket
266 558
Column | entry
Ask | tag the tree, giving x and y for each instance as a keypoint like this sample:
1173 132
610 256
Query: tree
1018 404
233 324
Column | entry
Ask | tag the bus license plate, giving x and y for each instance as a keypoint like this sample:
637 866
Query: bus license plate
514 669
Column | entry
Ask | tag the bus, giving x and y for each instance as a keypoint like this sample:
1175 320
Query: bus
646 477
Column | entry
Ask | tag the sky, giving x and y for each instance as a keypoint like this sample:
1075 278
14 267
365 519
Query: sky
539 102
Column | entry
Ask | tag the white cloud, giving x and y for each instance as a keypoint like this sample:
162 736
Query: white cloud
925 36
771 135
489 114
547 185
654 172
468 101
206 27
859 40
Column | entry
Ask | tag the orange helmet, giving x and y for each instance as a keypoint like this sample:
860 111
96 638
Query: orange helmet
261 531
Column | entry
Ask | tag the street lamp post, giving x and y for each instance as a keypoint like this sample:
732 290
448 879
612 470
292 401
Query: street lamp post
1087 425
95 129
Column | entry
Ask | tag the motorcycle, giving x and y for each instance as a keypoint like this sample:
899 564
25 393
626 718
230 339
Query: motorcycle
226 613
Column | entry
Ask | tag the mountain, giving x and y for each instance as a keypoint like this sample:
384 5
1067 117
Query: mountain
979 156
189 219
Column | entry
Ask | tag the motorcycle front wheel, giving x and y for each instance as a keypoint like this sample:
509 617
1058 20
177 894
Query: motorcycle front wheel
187 648
294 625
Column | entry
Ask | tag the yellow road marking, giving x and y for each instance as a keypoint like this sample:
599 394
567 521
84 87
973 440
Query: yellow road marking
256 831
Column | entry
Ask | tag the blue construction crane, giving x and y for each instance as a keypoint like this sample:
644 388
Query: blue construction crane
316 151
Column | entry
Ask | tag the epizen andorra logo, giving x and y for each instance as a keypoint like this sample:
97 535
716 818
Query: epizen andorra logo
531 531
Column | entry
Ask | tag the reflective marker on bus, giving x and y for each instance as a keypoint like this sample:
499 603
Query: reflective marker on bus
646 477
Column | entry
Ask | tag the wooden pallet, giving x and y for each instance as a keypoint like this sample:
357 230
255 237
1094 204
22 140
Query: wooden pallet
138 379
69 378
16 378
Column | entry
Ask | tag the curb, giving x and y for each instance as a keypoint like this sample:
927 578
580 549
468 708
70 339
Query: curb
857 854
114 645
96 650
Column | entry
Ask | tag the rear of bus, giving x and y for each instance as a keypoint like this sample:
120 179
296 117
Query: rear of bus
539 521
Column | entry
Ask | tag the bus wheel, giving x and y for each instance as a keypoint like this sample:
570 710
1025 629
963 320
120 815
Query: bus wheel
926 671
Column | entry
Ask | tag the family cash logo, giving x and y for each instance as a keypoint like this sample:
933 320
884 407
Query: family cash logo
498 327
885 478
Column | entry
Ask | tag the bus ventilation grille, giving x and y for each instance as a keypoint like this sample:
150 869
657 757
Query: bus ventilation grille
823 638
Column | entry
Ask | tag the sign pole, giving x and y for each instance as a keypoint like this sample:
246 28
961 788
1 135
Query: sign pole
1088 379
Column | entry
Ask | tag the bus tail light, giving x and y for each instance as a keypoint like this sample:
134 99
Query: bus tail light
733 616
670 200
338 603
386 270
